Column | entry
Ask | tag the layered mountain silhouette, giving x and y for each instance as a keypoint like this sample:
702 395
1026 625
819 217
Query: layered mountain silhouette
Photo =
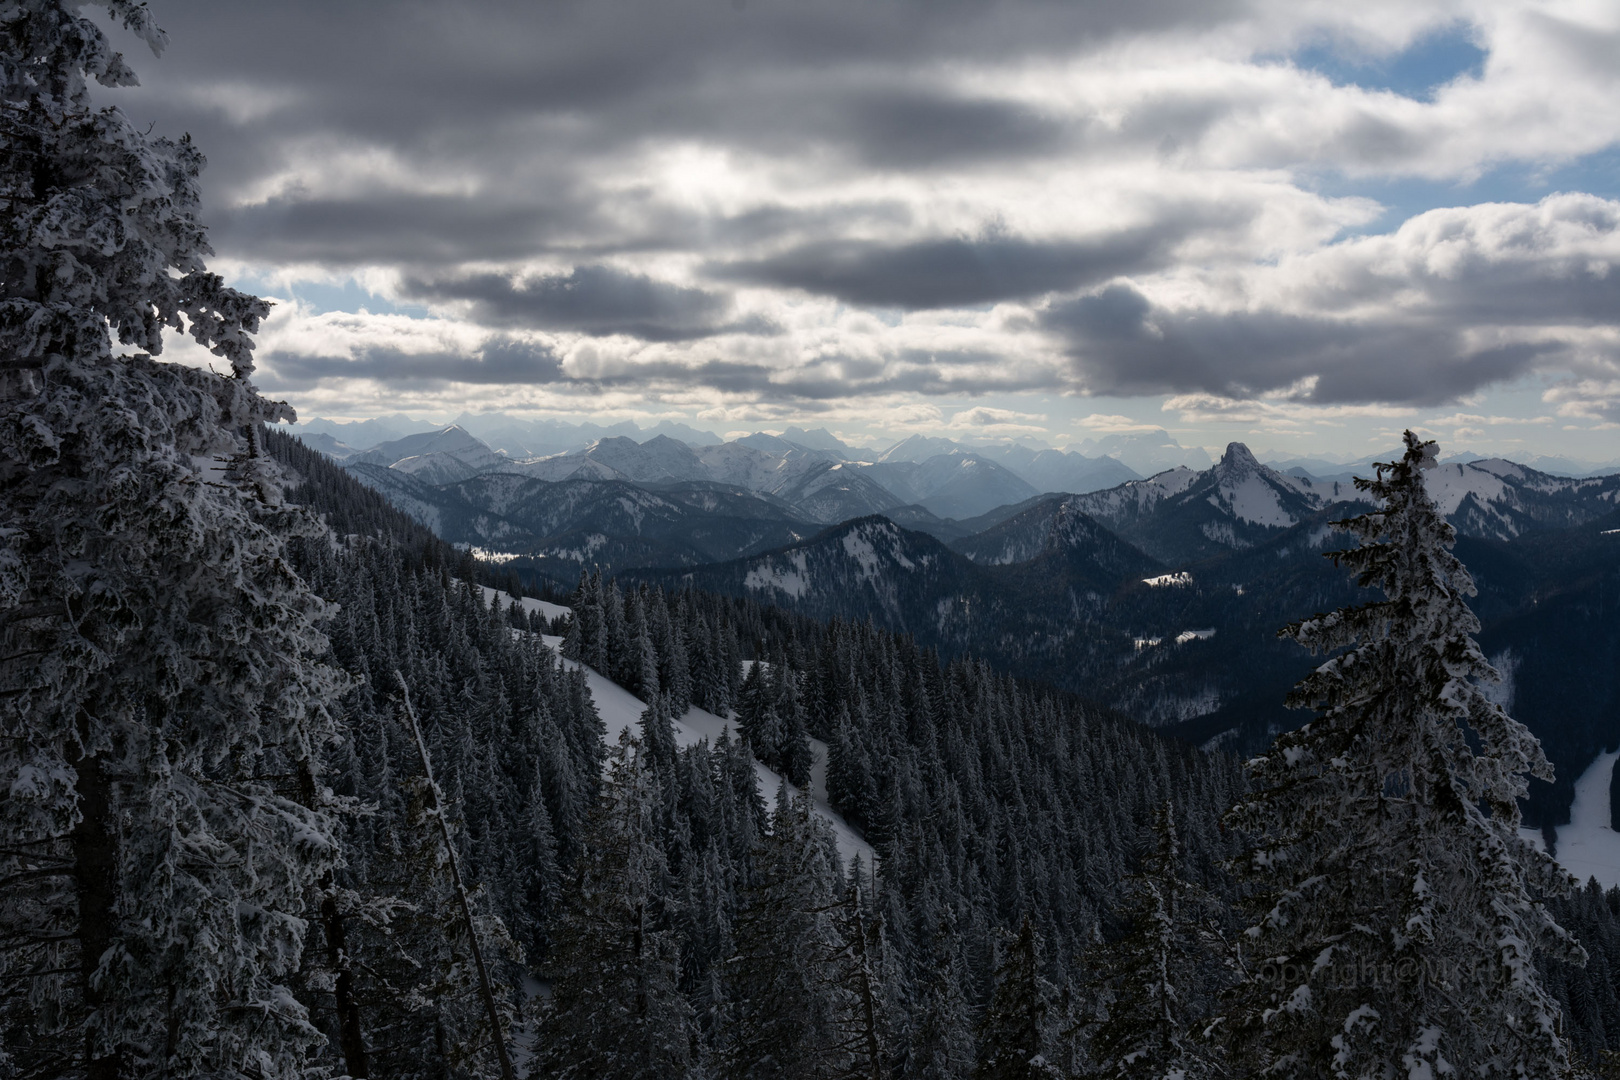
1159 595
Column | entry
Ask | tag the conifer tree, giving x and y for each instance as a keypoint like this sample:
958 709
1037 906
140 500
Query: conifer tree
1013 1035
616 1012
793 747
787 1009
857 971
942 1044
158 685
1399 924
756 715
1151 979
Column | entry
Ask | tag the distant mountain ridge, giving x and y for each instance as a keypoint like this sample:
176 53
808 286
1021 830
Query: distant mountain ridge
1160 596
519 439
1175 517
1188 642
817 476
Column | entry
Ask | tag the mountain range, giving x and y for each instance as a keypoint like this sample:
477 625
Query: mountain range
1160 596
815 477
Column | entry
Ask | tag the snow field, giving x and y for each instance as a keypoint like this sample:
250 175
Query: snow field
621 710
1255 501
530 604
1588 847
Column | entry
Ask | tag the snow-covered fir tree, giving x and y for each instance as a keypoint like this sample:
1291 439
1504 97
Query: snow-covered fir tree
1015 1035
857 968
159 687
616 1012
790 1012
1400 920
941 1046
1153 982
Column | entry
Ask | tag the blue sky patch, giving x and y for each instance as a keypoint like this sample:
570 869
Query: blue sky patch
322 297
1519 182
1416 72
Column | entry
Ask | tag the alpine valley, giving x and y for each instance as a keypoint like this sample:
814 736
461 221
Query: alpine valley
1158 595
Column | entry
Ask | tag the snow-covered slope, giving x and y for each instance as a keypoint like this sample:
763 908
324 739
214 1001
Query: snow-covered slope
435 457
837 492
450 440
1180 515
530 604
1498 499
1588 846
621 710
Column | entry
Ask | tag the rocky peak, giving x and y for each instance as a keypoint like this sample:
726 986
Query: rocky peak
1238 460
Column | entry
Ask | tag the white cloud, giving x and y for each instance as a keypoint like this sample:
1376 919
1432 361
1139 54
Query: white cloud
1113 424
915 198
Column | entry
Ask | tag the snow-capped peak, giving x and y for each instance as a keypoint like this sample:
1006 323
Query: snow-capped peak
1238 460
1253 493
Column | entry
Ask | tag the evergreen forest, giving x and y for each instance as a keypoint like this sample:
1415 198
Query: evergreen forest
293 789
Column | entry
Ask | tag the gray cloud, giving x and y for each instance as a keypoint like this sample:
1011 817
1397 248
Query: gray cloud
955 272
911 371
834 148
531 102
1122 344
430 232
389 227
502 360
595 300
911 129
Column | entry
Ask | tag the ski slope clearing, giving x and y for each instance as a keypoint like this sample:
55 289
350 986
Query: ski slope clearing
530 604
621 710
1588 847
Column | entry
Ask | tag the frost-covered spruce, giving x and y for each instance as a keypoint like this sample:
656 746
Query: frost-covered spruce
156 692
788 1018
1154 980
1015 1037
616 1012
1400 920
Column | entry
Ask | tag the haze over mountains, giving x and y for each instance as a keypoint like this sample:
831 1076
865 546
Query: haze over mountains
818 476
1159 595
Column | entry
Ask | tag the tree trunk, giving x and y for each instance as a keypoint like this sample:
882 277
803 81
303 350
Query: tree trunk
351 1036
95 883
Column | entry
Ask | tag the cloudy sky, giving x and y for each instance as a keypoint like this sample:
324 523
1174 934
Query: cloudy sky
1301 224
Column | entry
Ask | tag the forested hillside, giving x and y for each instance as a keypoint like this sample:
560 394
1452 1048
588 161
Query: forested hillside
989 802
291 789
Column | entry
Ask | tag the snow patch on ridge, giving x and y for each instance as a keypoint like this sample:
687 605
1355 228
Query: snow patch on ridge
1172 580
621 710
790 580
861 544
1449 485
1255 501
